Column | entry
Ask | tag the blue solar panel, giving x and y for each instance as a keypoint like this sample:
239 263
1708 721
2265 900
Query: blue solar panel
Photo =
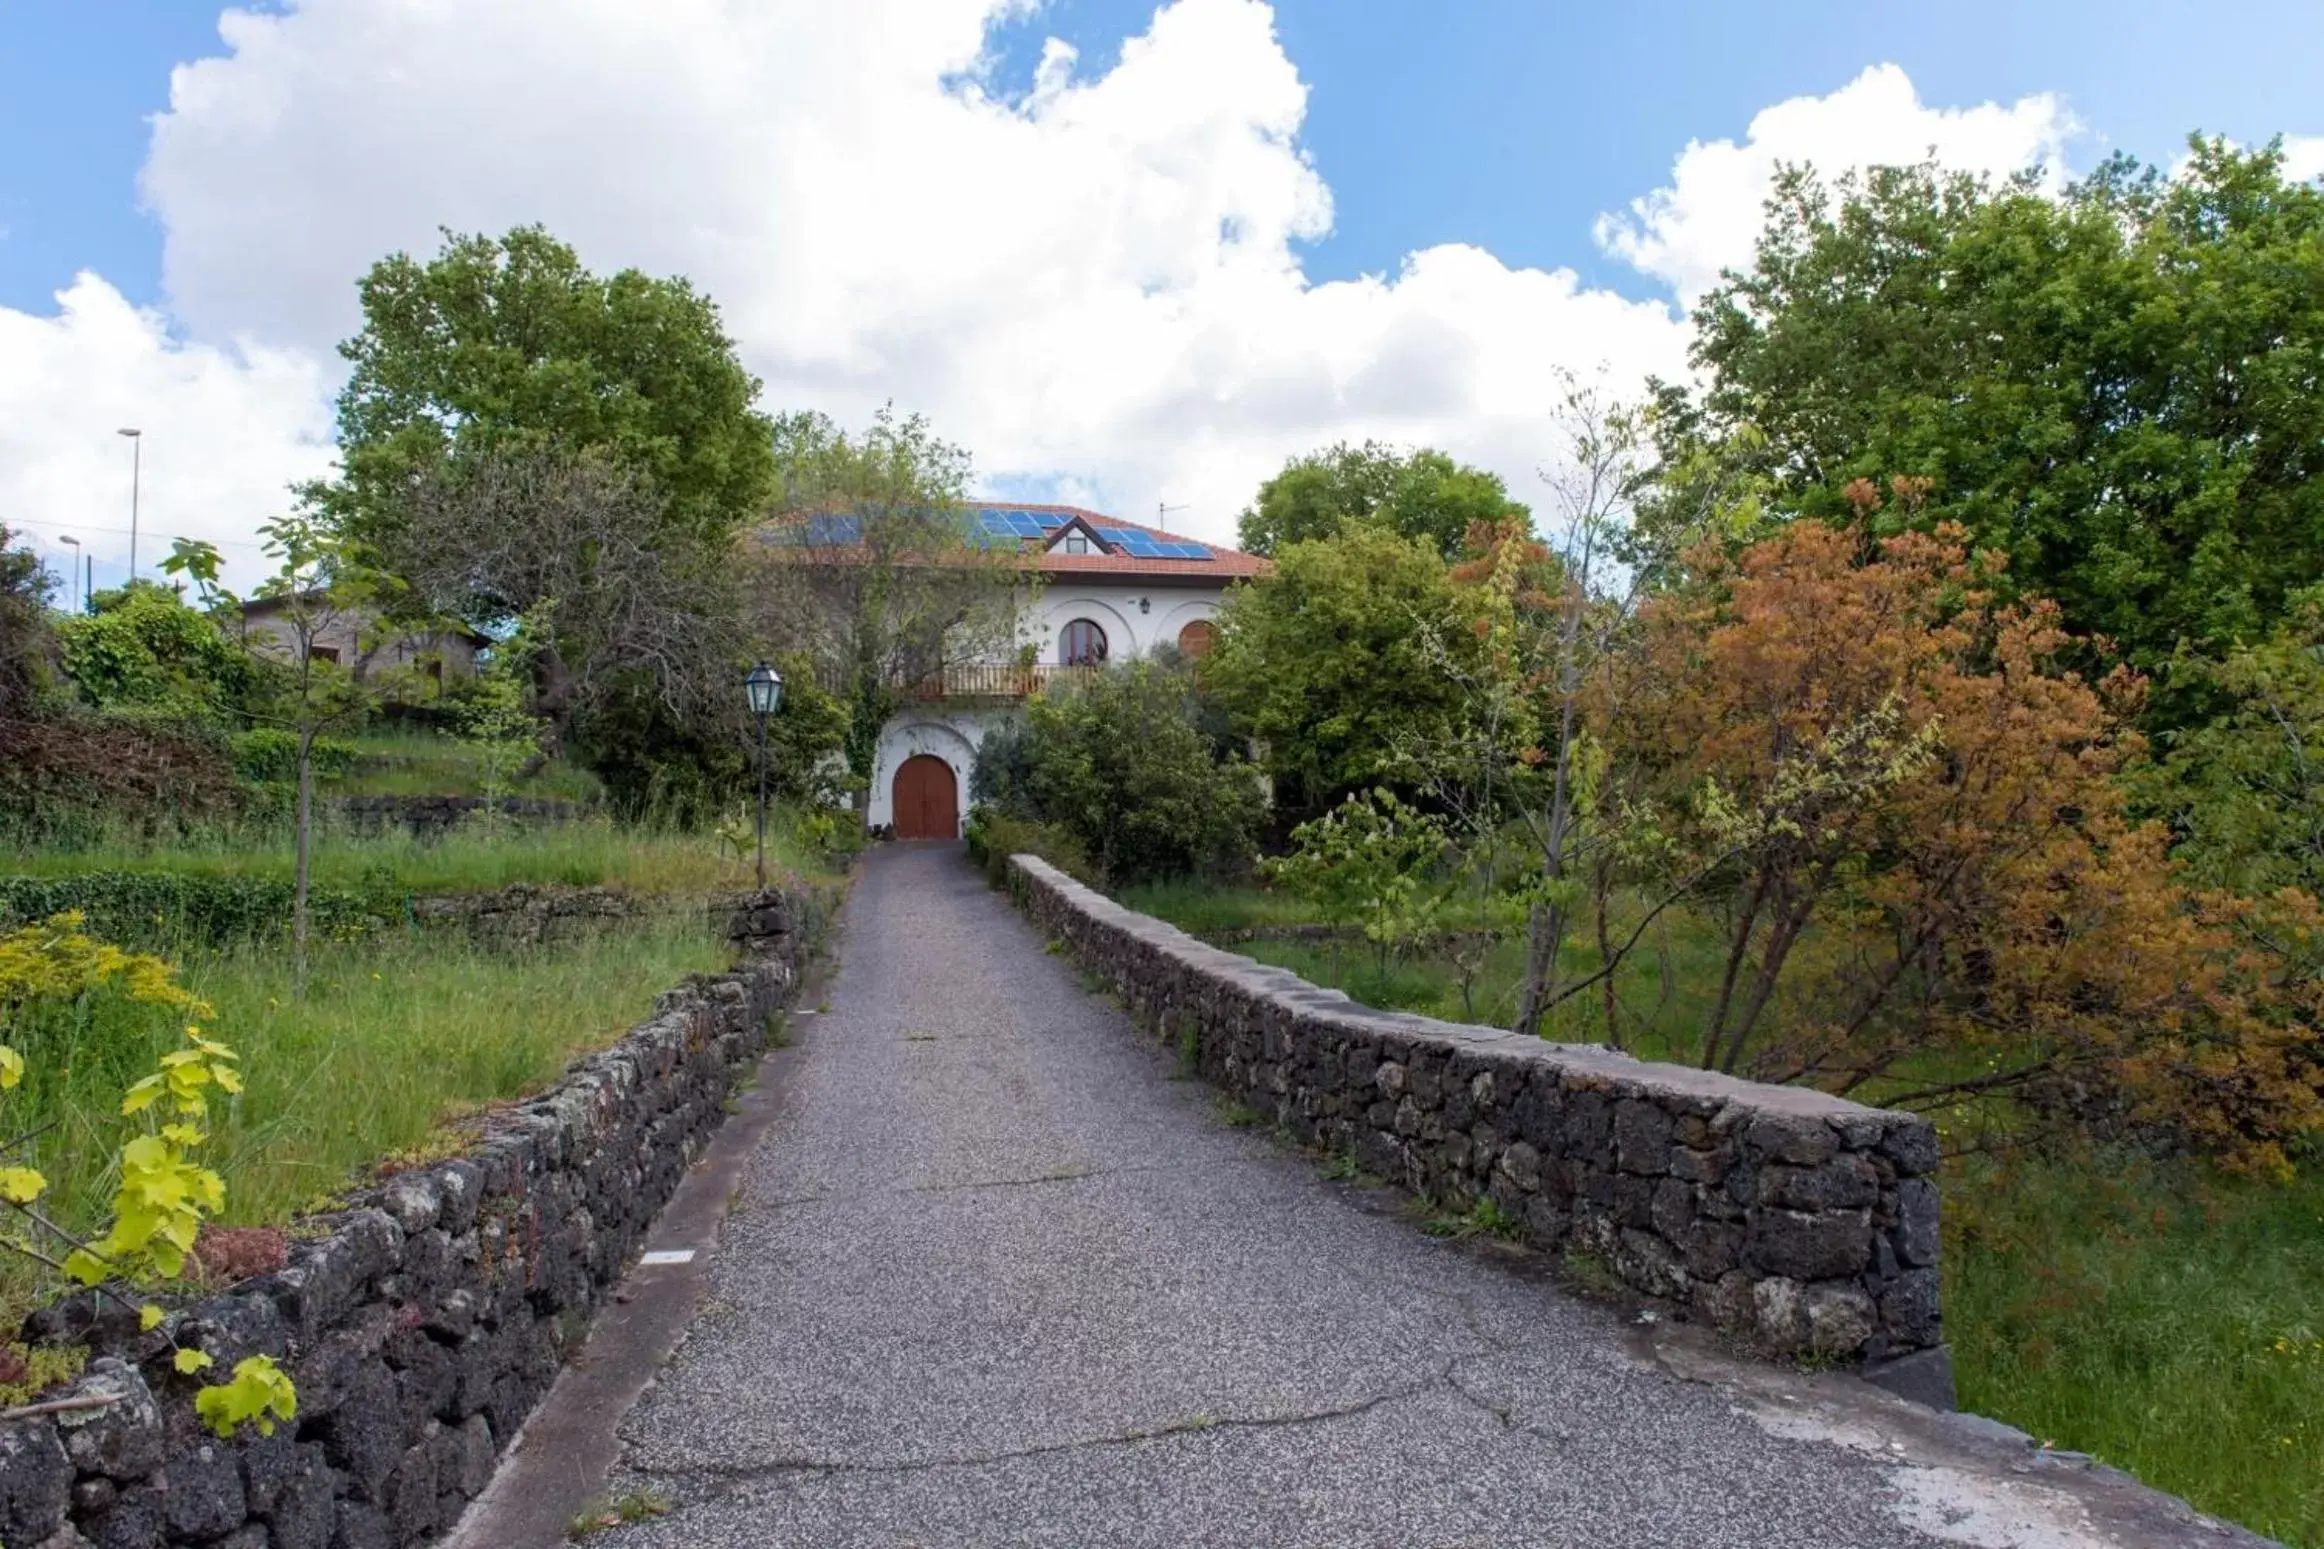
1187 550
831 529
1007 524
1050 520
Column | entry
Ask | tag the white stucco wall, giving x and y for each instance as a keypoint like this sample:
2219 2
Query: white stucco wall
954 733
1135 617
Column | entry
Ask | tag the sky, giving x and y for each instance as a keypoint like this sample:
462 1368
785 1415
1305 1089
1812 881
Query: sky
1128 255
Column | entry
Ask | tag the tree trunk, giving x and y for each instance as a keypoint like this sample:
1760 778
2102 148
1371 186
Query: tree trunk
1738 948
1613 1005
300 870
1548 925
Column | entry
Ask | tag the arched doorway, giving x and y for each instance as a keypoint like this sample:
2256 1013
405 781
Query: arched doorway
1197 638
927 799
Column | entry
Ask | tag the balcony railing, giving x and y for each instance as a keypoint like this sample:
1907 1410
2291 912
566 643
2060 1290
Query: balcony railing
994 680
988 680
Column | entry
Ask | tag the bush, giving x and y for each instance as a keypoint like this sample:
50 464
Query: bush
270 755
175 909
1123 766
995 836
834 833
65 777
1002 781
146 650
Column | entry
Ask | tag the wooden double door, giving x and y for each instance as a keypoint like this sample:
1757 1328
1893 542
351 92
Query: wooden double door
927 799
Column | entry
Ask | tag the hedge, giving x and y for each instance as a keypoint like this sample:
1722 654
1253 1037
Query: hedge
175 909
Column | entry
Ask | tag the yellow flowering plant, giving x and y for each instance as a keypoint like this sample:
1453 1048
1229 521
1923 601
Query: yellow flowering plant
165 1193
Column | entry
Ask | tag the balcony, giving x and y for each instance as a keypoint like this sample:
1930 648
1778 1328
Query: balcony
993 680
987 680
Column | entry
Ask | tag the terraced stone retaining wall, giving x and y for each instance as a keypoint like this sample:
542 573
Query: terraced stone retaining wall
1802 1221
420 1326
432 817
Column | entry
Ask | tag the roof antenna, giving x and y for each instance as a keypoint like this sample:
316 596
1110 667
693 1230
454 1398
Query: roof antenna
1162 514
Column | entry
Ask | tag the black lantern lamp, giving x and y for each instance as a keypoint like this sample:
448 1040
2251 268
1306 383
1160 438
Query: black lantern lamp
764 688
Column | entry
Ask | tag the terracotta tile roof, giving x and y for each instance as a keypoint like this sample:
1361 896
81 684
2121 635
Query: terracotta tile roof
1224 564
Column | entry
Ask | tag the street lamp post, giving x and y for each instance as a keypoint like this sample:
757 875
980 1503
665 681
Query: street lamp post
764 688
72 571
136 468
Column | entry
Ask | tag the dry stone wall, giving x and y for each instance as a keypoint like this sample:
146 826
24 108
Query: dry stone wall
420 1326
1802 1221
432 817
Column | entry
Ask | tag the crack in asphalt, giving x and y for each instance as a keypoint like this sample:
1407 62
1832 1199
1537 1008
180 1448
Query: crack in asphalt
716 1482
1195 1426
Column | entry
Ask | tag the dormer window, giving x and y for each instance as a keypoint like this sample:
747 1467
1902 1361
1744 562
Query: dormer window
1077 537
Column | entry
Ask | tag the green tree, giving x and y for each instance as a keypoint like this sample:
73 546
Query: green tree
2244 790
873 570
1420 494
1340 659
634 626
143 649
1120 764
508 344
1370 862
2116 389
322 587
164 1193
25 642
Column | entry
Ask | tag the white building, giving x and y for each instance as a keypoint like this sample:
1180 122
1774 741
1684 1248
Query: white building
1111 591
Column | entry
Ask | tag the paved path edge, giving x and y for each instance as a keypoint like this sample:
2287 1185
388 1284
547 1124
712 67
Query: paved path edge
567 1447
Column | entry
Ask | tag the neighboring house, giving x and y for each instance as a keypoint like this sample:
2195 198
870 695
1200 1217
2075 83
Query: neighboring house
1111 591
442 654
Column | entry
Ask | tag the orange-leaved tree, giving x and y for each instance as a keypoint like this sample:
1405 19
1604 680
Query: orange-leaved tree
1916 850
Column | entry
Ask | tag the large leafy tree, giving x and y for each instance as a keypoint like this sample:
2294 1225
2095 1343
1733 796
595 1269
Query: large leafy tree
2244 790
634 632
1903 812
25 644
2117 389
871 568
1420 494
1121 763
508 345
1344 662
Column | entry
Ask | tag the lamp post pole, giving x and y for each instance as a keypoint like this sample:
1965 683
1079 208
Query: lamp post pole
72 573
762 801
763 689
136 472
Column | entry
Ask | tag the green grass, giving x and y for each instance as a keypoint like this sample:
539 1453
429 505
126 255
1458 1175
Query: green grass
2164 1320
413 763
1655 1025
581 854
393 1037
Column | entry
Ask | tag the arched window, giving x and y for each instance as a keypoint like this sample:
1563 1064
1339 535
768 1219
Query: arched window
1197 638
1082 645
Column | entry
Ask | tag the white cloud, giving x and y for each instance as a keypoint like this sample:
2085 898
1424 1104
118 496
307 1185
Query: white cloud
1708 217
1095 284
2303 157
226 430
